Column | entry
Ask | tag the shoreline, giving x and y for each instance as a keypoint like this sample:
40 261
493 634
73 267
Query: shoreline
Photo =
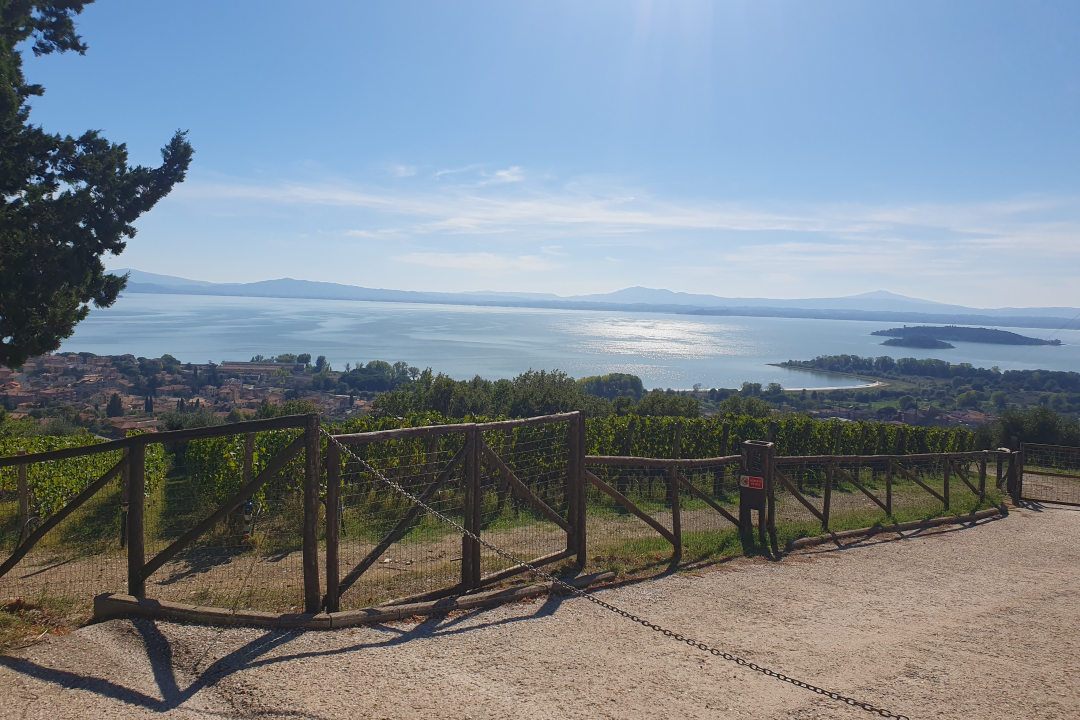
867 381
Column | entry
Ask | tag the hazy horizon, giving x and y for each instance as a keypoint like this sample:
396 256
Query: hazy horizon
763 149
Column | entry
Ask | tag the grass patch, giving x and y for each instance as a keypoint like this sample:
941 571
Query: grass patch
22 622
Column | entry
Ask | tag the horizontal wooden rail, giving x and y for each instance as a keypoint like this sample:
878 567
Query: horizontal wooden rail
625 502
70 507
402 433
1028 470
1054 448
821 459
540 420
273 468
168 436
644 462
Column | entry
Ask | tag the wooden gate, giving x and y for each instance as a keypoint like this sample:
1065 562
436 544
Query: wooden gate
1049 473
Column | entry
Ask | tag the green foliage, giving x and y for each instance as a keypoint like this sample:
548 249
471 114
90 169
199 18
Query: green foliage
289 407
115 408
664 405
613 385
53 484
64 202
744 405
200 417
1037 425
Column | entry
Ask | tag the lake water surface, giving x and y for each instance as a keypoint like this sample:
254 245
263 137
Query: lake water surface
673 351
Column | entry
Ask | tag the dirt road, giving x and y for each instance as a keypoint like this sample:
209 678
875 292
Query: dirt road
979 622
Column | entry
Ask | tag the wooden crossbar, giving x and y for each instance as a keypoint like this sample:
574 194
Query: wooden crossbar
527 494
911 476
272 469
798 495
963 475
72 506
851 479
403 525
711 503
625 502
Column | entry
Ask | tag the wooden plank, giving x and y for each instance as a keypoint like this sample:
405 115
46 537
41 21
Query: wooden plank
136 554
403 434
642 462
709 501
911 476
963 475
333 526
168 436
622 500
402 526
310 554
1047 473
822 459
32 539
495 577
244 493
523 422
851 479
24 501
786 481
676 510
470 549
524 490
826 506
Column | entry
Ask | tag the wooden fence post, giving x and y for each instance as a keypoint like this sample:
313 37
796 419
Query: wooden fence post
770 480
827 503
982 476
888 489
945 486
24 501
676 514
582 490
1020 474
125 483
676 452
1000 476
470 549
572 482
333 524
136 545
312 594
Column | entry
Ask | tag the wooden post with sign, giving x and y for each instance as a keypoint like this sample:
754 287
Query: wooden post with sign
753 487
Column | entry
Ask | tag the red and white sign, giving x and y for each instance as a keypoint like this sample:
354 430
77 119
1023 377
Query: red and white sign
754 483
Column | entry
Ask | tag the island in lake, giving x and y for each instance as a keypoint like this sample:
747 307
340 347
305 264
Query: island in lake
958 334
918 341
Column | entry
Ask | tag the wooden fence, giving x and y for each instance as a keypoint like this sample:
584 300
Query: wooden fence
531 470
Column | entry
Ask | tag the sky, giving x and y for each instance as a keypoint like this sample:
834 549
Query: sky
742 149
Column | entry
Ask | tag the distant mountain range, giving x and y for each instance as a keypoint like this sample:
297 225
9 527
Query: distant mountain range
874 306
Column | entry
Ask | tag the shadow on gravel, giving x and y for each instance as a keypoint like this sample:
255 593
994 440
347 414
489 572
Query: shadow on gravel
887 536
159 653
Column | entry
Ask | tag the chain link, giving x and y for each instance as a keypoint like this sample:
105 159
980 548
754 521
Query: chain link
618 611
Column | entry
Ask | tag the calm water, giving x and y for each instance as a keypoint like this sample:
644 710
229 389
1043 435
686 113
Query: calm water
664 350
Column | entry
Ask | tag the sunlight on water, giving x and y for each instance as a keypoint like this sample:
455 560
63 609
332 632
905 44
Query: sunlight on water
658 339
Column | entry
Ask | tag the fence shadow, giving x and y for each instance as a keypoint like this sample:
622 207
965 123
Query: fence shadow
251 655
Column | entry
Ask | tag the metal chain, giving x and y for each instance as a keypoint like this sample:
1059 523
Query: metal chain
618 611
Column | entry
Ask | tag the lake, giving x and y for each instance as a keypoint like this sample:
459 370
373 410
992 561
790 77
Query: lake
668 351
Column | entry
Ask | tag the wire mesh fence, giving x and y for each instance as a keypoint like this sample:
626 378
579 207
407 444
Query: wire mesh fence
1051 473
615 533
251 558
390 548
81 556
538 456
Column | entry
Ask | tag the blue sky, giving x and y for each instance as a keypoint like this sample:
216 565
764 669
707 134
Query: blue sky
781 149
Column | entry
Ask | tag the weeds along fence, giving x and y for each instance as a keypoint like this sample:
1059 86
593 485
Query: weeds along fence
284 516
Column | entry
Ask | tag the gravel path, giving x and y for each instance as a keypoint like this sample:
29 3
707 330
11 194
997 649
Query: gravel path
959 622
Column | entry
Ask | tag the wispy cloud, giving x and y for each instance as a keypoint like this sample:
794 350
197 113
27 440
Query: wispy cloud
402 171
475 261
